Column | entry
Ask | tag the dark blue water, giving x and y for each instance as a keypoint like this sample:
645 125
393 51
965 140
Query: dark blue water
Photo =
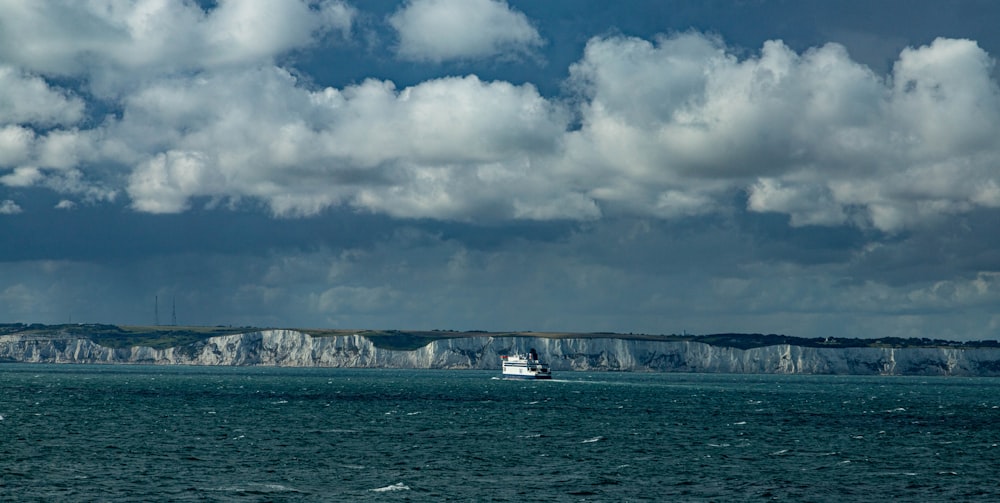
135 433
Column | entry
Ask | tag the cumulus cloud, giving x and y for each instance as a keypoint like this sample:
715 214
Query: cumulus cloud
164 183
240 31
115 42
29 100
672 127
41 142
8 207
57 159
117 48
448 148
15 145
815 135
445 30
23 176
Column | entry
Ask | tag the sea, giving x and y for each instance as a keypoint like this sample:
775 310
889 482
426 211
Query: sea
246 434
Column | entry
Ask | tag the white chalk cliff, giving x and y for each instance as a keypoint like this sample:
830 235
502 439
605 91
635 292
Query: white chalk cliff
289 348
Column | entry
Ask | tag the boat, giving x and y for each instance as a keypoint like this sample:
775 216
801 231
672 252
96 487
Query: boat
518 366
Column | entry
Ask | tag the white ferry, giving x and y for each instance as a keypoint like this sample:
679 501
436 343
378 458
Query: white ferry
518 366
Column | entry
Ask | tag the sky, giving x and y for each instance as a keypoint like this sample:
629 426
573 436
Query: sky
808 168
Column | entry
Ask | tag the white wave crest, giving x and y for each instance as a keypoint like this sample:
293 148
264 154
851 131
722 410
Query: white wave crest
398 486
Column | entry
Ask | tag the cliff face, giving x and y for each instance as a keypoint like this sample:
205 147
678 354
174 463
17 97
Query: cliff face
295 349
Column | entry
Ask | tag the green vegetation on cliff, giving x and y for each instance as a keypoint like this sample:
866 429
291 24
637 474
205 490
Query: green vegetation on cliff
114 336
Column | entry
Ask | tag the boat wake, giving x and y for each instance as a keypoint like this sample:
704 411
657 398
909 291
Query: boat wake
398 486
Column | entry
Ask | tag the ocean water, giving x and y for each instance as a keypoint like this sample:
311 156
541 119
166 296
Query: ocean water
140 433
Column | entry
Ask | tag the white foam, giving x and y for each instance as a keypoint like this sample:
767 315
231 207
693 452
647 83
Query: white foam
398 486
592 440
276 488
255 488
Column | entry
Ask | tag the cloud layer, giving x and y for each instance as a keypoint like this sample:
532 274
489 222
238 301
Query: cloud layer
670 127
669 176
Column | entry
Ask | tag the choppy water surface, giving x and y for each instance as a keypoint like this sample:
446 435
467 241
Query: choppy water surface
86 433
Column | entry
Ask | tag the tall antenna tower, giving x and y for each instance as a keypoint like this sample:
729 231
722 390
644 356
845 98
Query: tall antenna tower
156 309
173 311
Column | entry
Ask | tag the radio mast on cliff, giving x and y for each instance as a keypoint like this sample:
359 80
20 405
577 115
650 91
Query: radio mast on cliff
156 309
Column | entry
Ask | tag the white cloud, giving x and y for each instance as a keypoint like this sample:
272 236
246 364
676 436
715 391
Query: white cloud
118 42
23 176
815 135
444 30
453 148
241 31
64 149
118 47
26 99
55 159
668 128
8 207
804 207
944 100
15 145
164 183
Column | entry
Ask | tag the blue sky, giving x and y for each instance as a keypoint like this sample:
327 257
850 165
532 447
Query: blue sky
808 168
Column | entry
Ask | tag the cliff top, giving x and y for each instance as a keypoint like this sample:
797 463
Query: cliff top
172 336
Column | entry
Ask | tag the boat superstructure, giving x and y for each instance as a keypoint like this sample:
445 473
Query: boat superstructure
518 366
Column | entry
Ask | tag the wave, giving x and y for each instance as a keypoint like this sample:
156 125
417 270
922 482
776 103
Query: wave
398 486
